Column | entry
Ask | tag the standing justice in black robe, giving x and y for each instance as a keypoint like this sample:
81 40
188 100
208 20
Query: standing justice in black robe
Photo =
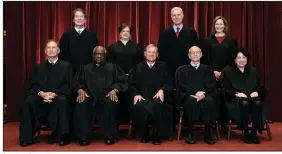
126 56
47 78
189 81
77 49
173 50
239 108
97 82
146 81
218 56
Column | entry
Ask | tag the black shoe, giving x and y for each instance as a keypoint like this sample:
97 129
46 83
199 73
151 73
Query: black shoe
156 141
109 142
64 142
24 143
145 139
52 138
208 137
190 139
84 142
253 137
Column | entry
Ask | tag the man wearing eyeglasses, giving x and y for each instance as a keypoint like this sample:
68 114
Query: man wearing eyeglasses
97 85
195 84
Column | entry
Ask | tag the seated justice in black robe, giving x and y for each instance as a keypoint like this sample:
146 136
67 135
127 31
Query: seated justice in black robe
195 84
242 86
46 97
150 82
97 85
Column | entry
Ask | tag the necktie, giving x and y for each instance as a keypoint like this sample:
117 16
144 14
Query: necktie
79 31
52 63
177 31
151 66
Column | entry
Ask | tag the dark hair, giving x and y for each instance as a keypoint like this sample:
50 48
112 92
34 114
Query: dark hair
124 25
213 31
243 51
80 10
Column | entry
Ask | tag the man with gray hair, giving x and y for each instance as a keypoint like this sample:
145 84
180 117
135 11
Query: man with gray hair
150 82
97 86
175 41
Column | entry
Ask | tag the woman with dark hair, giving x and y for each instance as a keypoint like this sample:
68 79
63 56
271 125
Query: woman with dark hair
242 86
125 52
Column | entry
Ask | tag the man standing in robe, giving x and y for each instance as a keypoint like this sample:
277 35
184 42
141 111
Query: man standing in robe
77 44
46 97
195 84
150 82
97 85
175 41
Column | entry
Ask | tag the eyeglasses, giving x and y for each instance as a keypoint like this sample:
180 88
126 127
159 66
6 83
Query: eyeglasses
197 52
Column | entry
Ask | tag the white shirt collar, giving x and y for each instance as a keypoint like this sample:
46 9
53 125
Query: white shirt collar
174 27
151 64
123 41
195 65
53 61
81 29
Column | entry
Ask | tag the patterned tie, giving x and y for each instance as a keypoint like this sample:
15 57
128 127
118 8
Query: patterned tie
177 31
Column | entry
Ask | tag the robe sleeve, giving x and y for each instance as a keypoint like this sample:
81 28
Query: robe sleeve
167 78
79 80
65 88
210 82
120 80
194 40
232 50
161 46
64 46
33 84
132 83
228 85
139 55
110 54
183 88
258 88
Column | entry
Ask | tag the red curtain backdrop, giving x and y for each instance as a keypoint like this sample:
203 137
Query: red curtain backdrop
256 26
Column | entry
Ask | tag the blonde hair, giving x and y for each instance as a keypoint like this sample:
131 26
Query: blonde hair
176 8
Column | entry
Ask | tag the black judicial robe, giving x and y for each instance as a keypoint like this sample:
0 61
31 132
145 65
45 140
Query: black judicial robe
98 81
246 82
146 81
77 49
47 78
126 56
220 55
173 50
189 81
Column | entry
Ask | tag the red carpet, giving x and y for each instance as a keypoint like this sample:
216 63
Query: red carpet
11 135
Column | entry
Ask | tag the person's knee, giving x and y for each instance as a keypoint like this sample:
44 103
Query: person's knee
245 103
257 103
190 101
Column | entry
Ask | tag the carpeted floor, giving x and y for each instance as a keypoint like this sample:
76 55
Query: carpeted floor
11 135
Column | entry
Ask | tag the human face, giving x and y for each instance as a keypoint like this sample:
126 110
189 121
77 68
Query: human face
99 55
195 54
219 26
79 19
125 33
52 50
151 54
241 60
177 17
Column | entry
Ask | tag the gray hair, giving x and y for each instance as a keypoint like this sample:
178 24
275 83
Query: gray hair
193 47
176 8
150 46
94 50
